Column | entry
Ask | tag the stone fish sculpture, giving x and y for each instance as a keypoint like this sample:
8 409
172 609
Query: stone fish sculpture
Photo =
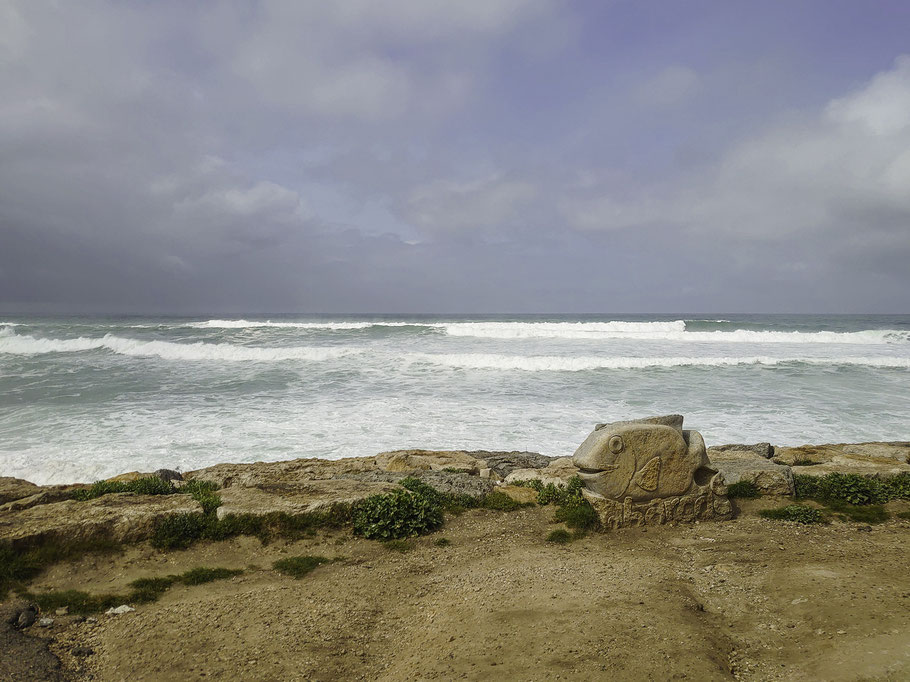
650 471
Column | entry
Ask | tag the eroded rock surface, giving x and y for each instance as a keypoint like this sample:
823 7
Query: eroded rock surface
297 497
875 459
121 517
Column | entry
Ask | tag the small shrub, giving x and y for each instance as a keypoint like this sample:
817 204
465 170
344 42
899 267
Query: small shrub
804 462
904 514
454 503
577 514
299 566
501 502
209 502
794 512
400 546
558 494
560 536
746 490
897 487
442 542
396 515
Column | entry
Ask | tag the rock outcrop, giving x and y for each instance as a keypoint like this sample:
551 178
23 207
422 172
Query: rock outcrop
119 517
871 459
748 465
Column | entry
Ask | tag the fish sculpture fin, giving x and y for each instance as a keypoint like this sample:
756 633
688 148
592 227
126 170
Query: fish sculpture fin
648 475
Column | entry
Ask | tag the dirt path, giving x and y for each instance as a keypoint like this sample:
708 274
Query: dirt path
748 599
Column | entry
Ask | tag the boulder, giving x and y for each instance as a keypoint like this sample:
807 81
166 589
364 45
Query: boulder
428 460
558 472
120 517
747 465
766 450
16 488
503 464
297 497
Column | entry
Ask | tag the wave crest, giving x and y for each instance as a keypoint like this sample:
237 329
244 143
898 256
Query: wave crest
222 352
546 363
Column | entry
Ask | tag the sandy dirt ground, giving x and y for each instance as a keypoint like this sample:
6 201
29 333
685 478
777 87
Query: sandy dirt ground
747 599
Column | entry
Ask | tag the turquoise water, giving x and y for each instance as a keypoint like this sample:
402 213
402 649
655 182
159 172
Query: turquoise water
84 398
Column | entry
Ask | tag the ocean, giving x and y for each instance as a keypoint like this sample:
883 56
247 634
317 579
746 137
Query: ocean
84 398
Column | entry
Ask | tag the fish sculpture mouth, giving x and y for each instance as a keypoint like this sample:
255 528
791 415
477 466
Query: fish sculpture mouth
590 477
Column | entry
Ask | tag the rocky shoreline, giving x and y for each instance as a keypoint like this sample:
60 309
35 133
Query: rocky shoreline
45 516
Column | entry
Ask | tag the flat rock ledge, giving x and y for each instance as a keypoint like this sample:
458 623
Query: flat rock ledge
31 514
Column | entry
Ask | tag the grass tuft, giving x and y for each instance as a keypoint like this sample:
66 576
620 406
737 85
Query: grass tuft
442 542
746 490
560 536
142 591
147 485
299 566
796 513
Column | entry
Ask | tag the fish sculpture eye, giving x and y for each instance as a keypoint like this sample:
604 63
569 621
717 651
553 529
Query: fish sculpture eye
616 444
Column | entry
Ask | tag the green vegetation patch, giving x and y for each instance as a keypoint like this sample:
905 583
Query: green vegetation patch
396 515
560 536
796 513
148 485
746 490
867 513
577 514
852 488
442 542
499 501
142 591
179 531
904 514
205 493
299 566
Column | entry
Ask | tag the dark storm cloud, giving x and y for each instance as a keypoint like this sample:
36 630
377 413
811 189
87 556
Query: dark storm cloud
505 155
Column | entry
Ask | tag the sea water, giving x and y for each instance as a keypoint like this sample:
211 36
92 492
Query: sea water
87 398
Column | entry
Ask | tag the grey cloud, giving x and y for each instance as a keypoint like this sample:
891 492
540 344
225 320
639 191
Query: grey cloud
399 156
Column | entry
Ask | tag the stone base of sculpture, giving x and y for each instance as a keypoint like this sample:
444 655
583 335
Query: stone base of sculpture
703 503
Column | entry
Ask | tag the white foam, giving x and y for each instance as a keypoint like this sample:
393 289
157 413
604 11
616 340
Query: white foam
253 324
548 363
223 352
664 331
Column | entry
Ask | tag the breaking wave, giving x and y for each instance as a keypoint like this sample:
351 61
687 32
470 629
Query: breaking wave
223 352
579 364
253 324
663 331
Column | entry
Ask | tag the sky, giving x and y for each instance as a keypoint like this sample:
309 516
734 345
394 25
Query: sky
477 156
